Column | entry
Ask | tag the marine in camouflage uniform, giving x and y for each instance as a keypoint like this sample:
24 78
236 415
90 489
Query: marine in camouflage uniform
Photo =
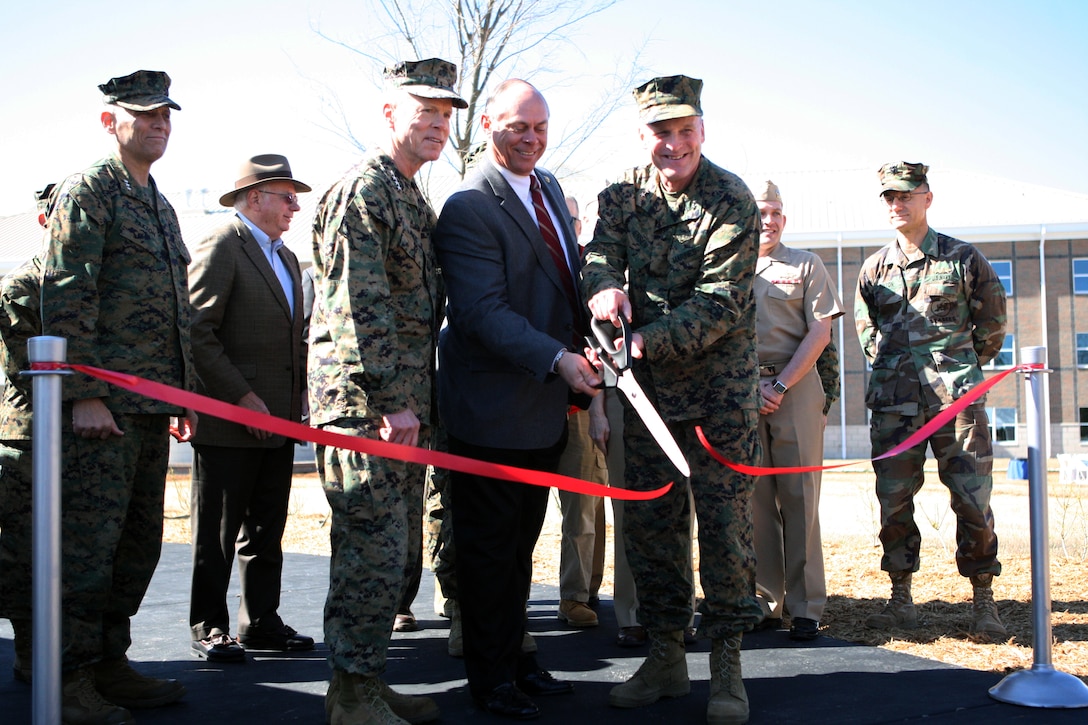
114 285
689 248
377 310
19 321
930 311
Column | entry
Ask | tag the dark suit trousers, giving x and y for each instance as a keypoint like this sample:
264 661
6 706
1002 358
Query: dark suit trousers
239 502
497 525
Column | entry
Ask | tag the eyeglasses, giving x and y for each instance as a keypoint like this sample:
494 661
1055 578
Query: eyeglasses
903 197
291 199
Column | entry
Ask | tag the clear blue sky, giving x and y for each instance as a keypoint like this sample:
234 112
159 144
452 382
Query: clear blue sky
996 87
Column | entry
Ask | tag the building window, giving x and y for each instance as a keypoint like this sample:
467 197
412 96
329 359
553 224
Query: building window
1003 267
1082 349
1007 357
1080 276
1083 424
1003 424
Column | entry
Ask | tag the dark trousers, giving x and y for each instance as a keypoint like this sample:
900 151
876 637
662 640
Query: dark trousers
239 503
497 525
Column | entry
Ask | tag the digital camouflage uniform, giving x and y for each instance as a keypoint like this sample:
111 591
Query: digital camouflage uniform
827 367
927 323
19 321
438 526
691 263
378 305
114 285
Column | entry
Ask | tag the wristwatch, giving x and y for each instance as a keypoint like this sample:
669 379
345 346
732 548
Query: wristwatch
778 386
555 363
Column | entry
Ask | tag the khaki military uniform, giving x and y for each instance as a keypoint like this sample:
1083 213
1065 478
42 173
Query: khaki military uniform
377 310
927 323
581 550
691 262
114 285
792 290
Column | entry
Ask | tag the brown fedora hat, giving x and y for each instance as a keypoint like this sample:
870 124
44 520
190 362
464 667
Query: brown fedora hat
259 169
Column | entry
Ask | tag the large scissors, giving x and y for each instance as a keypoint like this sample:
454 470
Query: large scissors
615 356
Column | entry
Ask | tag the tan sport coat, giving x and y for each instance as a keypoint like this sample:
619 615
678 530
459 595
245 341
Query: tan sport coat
244 335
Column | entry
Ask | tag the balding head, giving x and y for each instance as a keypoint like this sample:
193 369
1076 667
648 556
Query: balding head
516 122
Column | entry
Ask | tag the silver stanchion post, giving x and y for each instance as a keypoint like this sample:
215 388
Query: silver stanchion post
1042 685
46 536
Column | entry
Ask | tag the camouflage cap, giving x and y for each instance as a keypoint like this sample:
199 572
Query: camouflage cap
668 97
431 78
143 90
902 176
770 193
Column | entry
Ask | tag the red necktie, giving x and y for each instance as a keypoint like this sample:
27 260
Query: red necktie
551 238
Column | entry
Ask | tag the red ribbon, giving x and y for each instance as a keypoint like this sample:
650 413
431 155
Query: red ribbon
369 446
917 437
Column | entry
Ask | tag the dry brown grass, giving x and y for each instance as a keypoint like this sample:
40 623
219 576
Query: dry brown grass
856 586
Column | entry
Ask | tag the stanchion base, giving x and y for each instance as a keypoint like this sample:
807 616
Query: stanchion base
1041 686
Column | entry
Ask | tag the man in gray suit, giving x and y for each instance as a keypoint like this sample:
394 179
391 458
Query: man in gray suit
508 362
246 291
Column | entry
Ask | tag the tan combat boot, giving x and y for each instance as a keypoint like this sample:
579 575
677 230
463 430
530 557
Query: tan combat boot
899 611
82 704
728 700
356 700
122 685
985 620
663 674
415 709
412 708
23 664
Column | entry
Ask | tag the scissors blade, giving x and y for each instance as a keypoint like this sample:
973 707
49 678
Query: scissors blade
654 424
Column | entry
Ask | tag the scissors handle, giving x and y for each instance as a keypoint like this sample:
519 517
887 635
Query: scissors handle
619 351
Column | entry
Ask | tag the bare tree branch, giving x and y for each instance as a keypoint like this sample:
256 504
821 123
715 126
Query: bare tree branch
484 37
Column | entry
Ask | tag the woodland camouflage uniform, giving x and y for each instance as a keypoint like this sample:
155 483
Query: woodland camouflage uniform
927 324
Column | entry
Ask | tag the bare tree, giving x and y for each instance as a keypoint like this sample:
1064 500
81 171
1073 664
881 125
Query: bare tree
484 37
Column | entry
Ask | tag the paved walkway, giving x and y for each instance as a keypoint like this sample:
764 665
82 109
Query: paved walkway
827 681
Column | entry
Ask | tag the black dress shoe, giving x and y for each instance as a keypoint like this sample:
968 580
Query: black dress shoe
804 629
507 700
276 639
541 682
632 636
